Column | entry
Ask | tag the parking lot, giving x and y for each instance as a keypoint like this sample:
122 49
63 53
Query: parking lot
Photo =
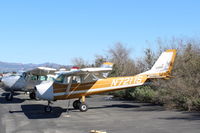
105 114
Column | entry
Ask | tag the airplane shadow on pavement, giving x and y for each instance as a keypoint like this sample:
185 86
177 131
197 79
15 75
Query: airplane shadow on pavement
36 111
116 106
14 100
15 94
190 116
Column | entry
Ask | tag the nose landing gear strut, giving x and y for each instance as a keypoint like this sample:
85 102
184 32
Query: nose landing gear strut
48 108
9 96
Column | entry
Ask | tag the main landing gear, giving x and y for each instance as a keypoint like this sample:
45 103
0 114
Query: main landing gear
9 96
80 104
32 95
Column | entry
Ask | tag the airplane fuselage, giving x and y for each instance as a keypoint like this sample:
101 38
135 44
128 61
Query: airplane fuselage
58 91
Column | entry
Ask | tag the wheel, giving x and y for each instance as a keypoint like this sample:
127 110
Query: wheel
83 107
47 109
32 95
76 104
9 97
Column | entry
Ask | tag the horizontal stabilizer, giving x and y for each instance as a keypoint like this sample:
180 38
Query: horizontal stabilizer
107 65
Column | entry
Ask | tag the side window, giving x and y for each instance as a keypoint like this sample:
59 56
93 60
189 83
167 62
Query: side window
76 79
34 77
89 78
66 79
42 78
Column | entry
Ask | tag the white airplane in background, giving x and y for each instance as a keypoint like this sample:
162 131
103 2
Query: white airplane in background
26 81
90 81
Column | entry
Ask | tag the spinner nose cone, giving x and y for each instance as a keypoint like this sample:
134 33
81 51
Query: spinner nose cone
44 91
3 81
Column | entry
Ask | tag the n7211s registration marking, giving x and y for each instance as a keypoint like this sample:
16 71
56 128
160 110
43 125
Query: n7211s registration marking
126 81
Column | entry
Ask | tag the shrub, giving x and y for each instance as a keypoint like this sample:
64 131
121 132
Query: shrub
144 94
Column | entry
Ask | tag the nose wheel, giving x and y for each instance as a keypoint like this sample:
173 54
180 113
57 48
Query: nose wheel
48 108
9 96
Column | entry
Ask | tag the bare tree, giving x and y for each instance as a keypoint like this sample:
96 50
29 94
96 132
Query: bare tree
99 60
79 62
149 59
123 64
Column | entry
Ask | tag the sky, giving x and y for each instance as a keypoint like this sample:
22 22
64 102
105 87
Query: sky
38 31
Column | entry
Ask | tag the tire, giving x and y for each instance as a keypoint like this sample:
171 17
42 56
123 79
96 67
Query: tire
9 97
47 109
32 95
76 104
83 107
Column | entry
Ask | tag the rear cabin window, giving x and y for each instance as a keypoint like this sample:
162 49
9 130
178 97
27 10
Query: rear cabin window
76 79
39 78
89 78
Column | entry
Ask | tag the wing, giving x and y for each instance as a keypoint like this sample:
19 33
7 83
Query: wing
105 68
91 74
42 71
87 71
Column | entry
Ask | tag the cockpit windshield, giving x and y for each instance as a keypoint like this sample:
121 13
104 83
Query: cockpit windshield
60 79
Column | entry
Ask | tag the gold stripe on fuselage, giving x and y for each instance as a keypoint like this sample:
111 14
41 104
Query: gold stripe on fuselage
100 86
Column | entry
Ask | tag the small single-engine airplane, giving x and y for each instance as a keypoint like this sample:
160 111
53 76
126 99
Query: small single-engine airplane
89 81
26 81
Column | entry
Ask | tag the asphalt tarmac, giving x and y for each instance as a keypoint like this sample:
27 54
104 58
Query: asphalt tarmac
105 114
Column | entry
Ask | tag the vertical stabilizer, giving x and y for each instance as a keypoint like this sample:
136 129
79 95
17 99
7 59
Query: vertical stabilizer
164 64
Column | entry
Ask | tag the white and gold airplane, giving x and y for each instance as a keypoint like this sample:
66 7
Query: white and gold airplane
89 81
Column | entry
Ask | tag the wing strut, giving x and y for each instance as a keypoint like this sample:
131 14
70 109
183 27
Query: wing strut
70 84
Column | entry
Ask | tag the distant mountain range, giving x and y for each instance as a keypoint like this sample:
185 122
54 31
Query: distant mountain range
15 67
